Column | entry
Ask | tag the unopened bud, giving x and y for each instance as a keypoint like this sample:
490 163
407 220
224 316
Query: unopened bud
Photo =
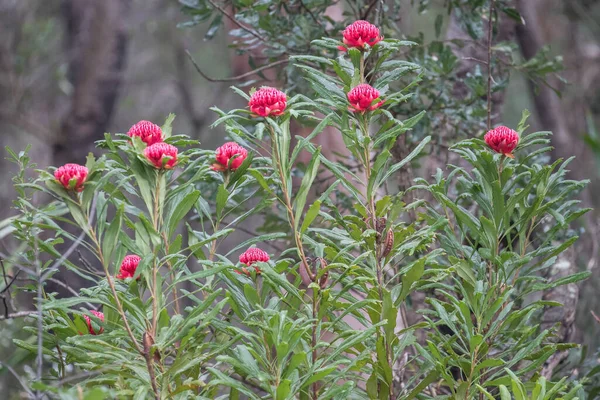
388 243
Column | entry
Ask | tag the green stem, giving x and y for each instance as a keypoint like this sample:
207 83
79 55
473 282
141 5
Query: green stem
155 220
370 199
111 284
287 203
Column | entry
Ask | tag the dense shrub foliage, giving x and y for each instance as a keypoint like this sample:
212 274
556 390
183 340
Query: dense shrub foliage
313 305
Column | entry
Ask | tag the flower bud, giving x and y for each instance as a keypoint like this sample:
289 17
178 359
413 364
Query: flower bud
364 98
128 267
268 101
360 33
158 152
380 224
229 157
324 280
147 131
388 244
502 140
71 176
88 321
252 256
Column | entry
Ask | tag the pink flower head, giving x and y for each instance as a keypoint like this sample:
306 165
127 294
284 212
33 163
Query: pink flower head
224 155
147 131
362 97
158 152
128 267
268 101
71 176
502 140
88 321
251 256
360 33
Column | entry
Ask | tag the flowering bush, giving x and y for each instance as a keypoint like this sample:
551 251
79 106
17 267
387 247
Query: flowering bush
324 316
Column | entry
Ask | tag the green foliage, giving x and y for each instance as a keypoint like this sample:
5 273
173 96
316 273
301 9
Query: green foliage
325 317
451 71
508 222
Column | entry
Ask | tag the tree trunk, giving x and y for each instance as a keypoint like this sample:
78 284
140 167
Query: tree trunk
567 128
96 43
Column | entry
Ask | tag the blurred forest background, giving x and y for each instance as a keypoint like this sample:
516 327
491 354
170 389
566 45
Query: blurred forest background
71 70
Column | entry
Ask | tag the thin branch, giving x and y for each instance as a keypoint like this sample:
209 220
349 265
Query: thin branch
19 314
236 22
63 285
368 11
234 78
184 87
12 371
88 266
40 321
6 291
489 65
313 17
476 60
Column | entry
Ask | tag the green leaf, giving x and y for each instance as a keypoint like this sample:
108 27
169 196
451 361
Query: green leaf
464 270
407 159
283 390
179 209
222 379
409 278
257 239
485 392
563 281
144 181
78 216
307 180
475 342
167 128
241 170
111 238
504 393
310 216
201 274
430 378
222 197
522 123
261 180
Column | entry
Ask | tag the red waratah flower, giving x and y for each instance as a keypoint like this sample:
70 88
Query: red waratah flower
71 176
362 97
251 256
502 140
225 154
360 33
128 267
159 151
268 101
147 131
88 321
